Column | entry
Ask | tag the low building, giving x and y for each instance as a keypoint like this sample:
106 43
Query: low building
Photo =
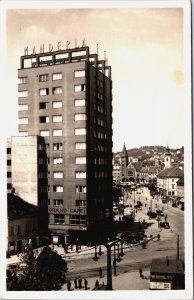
22 224
167 181
116 172
167 274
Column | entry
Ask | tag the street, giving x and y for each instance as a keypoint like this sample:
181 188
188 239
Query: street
135 256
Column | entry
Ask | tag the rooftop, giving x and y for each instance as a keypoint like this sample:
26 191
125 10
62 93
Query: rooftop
171 172
167 266
17 207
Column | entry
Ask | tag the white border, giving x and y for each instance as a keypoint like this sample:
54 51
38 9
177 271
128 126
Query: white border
188 292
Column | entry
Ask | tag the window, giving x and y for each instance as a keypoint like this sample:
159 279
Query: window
57 132
23 133
23 94
77 219
58 202
43 78
58 188
44 132
42 174
59 219
44 92
23 107
80 146
9 186
22 80
80 203
80 117
80 102
23 121
80 88
58 174
173 180
57 90
80 131
8 150
57 146
44 119
57 160
9 174
80 189
80 73
42 160
173 186
80 160
43 105
57 76
57 104
8 162
80 174
57 119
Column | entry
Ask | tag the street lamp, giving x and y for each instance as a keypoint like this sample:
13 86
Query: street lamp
134 205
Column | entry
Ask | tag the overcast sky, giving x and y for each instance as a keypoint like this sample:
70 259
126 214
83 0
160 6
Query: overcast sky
145 50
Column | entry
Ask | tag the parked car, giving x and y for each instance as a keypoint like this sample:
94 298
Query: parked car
160 212
152 214
165 225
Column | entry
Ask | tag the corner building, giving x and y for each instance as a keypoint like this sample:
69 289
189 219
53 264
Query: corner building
66 97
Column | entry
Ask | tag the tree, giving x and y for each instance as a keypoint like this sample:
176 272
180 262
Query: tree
42 271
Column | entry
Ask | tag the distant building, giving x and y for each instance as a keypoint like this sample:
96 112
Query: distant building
22 224
167 158
116 173
148 173
167 274
124 163
167 181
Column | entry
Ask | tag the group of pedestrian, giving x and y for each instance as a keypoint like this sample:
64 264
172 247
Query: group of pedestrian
78 283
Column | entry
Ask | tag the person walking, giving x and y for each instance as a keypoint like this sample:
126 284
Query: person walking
140 272
96 284
80 282
100 272
69 285
75 282
85 283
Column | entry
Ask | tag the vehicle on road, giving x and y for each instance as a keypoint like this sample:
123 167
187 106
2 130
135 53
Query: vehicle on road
164 225
160 212
152 214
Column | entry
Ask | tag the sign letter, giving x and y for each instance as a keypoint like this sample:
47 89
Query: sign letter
34 50
50 47
59 45
42 48
26 51
67 44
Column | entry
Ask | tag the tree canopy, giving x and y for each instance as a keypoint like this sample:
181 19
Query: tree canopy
42 271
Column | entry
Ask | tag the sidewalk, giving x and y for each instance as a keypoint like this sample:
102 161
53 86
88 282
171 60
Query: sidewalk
125 281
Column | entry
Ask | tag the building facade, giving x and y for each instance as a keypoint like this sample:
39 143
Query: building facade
22 224
167 181
65 96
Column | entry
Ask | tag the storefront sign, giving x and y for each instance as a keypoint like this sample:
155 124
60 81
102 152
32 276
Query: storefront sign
50 47
62 210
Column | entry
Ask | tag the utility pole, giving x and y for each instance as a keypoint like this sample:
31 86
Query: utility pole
177 247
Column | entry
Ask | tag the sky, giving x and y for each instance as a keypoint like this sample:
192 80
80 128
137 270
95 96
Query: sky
144 47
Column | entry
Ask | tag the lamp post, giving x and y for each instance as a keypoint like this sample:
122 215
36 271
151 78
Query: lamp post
134 205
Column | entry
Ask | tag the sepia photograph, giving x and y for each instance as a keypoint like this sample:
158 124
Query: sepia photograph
97 137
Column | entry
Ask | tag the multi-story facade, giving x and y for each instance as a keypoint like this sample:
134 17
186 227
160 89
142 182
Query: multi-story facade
65 96
167 181
27 174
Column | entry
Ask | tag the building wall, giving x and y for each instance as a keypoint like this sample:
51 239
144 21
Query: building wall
98 123
20 231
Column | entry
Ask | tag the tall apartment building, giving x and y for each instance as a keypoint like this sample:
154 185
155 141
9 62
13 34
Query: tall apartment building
65 96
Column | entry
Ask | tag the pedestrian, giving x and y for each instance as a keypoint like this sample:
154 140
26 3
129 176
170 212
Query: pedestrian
96 284
158 236
69 285
75 282
71 247
80 282
85 283
140 272
146 198
100 272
